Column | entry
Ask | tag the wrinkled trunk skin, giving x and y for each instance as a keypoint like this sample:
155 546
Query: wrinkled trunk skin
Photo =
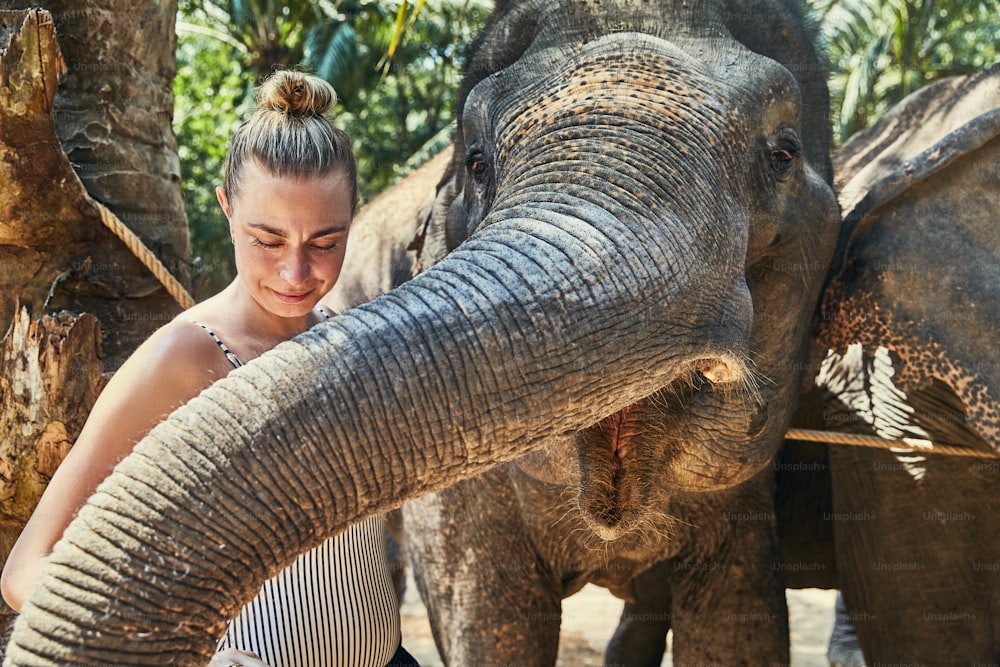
668 503
912 321
82 119
622 252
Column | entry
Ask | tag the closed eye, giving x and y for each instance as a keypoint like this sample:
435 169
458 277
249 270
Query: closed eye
270 246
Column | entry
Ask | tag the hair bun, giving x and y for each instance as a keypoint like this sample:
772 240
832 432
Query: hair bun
296 94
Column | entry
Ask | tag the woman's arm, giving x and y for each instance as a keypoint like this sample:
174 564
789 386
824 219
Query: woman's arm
167 370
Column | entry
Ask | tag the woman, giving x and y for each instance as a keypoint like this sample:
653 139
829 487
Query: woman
289 193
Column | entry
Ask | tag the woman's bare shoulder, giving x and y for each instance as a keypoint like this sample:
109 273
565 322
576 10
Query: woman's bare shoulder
180 357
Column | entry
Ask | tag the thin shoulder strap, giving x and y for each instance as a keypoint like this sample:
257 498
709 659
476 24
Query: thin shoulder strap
230 355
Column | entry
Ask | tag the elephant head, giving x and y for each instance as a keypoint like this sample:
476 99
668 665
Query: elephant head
724 153
638 216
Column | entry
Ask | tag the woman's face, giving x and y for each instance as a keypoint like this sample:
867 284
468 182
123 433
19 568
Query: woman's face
290 235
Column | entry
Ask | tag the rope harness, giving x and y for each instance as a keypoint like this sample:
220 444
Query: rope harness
182 297
906 446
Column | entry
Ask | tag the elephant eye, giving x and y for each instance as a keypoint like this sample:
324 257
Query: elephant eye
783 158
478 167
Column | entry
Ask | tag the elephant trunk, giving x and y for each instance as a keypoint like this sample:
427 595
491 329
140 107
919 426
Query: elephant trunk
472 363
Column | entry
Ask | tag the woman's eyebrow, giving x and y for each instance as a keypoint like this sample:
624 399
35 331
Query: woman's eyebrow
274 231
335 229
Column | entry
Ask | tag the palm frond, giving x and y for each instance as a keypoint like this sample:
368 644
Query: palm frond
861 79
189 28
331 52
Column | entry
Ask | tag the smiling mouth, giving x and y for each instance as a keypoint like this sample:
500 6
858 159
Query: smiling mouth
291 297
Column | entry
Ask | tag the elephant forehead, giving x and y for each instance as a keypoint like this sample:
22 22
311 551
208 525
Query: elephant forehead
619 15
628 77
626 84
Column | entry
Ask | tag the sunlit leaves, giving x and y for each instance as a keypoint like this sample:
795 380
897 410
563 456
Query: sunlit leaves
880 52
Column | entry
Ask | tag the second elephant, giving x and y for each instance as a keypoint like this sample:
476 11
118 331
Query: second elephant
912 319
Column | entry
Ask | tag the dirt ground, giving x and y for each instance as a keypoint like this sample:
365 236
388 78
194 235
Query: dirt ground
589 619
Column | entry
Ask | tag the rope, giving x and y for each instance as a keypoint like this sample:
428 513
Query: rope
145 255
899 446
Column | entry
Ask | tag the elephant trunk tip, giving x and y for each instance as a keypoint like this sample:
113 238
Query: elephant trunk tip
721 370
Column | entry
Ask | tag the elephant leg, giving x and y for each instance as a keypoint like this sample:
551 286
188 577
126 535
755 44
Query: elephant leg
729 603
844 650
918 555
488 595
641 637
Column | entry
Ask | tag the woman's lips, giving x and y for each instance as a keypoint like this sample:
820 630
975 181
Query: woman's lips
292 297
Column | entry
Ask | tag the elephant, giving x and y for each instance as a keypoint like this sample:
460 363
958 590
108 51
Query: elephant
622 268
674 493
910 320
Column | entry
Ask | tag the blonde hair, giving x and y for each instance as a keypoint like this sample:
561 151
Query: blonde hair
289 134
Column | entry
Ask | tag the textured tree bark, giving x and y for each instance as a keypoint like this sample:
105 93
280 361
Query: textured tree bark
90 121
50 379
52 373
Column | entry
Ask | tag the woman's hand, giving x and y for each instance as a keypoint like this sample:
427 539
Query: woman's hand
232 656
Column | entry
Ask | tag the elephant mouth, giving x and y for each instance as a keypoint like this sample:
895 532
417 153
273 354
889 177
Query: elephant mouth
623 457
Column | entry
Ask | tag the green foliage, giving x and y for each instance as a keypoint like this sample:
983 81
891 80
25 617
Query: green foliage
880 52
211 95
277 33
404 112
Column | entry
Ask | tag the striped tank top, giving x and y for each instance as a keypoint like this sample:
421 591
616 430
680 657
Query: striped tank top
334 606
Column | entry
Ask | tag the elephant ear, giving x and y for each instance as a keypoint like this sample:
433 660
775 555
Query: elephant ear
917 293
387 236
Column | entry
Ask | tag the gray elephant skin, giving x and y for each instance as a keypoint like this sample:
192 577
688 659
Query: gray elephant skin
912 320
625 260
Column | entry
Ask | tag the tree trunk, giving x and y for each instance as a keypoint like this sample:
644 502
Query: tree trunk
108 126
88 122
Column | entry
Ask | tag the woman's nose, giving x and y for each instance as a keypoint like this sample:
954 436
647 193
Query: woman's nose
295 268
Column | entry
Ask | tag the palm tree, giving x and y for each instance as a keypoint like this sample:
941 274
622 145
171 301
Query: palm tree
881 51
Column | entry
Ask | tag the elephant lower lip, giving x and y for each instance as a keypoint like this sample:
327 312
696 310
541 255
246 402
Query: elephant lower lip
617 472
604 501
